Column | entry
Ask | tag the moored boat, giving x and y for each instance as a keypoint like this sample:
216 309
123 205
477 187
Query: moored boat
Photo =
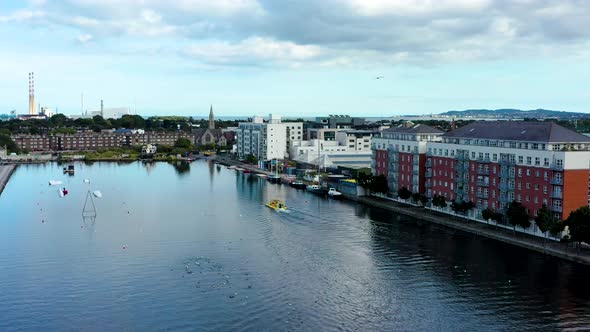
335 194
274 179
298 185
316 189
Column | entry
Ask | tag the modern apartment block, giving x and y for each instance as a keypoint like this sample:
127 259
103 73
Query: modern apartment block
495 163
267 140
400 155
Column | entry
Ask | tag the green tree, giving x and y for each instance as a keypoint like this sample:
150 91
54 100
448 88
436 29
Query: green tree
183 143
6 141
543 219
486 214
365 180
58 120
416 197
379 184
578 223
251 159
404 193
517 215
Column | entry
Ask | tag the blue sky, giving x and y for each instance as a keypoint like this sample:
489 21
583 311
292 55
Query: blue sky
304 57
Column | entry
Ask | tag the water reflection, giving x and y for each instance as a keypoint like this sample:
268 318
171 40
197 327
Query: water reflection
181 167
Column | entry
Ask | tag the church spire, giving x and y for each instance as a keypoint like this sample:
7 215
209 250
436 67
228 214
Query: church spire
211 118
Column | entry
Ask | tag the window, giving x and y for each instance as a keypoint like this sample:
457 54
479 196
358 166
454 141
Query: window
518 198
546 162
528 172
546 176
520 159
520 172
545 190
528 185
495 157
536 199
528 160
536 186
537 161
527 198
519 185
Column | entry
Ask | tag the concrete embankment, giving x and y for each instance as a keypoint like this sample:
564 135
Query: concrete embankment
530 242
5 173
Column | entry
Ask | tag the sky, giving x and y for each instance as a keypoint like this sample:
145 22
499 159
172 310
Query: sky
295 57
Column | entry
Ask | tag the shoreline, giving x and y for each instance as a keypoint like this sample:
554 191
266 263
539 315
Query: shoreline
489 231
530 242
5 174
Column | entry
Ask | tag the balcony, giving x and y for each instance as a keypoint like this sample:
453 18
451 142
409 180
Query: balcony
428 174
557 181
557 194
505 199
482 171
429 162
416 161
415 171
556 208
557 167
506 187
428 184
393 167
507 162
483 184
506 174
462 157
483 160
483 195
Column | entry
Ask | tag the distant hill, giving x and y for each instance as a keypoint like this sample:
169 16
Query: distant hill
514 113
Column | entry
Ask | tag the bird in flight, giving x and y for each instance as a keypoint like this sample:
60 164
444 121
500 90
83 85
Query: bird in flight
379 77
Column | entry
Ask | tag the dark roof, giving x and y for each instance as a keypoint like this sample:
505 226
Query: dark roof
415 129
518 131
199 132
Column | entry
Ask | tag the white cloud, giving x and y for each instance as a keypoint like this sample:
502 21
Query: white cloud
253 51
85 38
329 32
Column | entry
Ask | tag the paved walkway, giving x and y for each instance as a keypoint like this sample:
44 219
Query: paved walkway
5 173
565 251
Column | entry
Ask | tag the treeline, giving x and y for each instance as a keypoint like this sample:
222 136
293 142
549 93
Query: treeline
59 123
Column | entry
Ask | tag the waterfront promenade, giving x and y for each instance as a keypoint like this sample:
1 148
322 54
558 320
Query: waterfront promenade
561 250
527 241
5 173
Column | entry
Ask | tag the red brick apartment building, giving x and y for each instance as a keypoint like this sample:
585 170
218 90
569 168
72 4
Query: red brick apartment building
492 163
85 141
400 155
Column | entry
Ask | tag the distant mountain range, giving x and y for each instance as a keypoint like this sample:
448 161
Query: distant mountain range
514 113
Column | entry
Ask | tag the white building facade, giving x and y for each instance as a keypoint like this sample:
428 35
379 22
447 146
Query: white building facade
267 140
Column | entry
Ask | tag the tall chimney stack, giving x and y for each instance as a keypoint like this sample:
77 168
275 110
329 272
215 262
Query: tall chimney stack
32 94
101 108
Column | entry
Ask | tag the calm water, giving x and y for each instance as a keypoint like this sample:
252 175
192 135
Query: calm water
177 248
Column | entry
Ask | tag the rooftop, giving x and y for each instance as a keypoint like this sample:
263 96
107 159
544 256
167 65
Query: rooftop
548 132
415 129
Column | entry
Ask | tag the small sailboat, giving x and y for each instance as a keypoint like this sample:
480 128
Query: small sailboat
97 193
54 182
86 180
277 205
